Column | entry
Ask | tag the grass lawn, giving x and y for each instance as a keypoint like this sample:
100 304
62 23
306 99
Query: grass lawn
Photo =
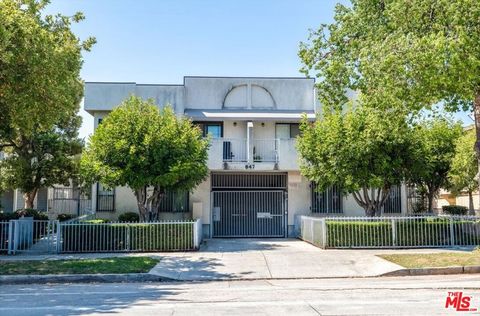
433 260
79 266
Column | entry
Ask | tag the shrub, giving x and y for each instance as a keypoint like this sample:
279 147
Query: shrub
454 210
358 233
29 212
65 217
129 217
7 216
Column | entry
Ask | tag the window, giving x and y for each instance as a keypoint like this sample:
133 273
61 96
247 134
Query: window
63 193
105 199
287 130
174 202
393 204
328 201
100 121
215 129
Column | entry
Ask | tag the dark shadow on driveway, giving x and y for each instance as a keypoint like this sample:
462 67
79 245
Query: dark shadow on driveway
245 244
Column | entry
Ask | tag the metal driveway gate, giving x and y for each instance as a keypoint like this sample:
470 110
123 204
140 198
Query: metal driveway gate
249 205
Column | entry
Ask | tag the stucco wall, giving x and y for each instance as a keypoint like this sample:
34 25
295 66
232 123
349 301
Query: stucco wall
202 194
208 93
298 195
288 93
101 96
236 132
267 131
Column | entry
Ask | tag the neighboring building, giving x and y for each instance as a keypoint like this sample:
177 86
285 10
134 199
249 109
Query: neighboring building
55 200
12 200
255 187
447 198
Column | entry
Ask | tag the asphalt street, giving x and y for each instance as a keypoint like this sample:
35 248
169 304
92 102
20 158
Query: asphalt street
339 296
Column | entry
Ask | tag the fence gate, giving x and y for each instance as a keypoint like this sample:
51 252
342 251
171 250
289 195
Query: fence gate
249 213
28 235
249 204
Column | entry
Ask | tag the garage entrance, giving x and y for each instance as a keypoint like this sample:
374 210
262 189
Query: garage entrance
249 205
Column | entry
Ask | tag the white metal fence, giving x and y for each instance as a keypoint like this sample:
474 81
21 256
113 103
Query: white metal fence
4 229
29 235
390 232
81 236
128 237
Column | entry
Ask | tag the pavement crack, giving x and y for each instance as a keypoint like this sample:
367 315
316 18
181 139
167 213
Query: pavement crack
266 263
314 309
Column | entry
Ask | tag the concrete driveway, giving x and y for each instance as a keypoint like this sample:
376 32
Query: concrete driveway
228 259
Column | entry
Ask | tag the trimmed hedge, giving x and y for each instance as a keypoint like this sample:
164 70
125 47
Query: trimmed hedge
29 212
358 234
454 210
131 217
37 215
420 232
65 217
91 237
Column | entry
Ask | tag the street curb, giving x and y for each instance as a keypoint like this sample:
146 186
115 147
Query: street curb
147 277
81 278
434 271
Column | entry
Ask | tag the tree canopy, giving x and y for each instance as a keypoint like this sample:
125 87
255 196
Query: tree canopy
40 62
435 140
363 151
40 93
412 53
464 169
139 146
51 157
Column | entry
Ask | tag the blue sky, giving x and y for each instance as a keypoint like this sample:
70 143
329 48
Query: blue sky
161 41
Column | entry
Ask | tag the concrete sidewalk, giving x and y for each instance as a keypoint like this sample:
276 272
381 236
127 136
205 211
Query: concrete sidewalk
227 259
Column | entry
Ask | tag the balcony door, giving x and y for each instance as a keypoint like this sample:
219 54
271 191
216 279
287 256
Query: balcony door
286 130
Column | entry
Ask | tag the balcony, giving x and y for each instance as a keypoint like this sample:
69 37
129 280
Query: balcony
258 154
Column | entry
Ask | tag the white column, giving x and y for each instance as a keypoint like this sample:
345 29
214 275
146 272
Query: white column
250 142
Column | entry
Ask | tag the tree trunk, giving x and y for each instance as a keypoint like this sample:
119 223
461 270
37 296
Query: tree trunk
371 204
476 112
430 195
370 211
141 195
157 197
29 198
470 203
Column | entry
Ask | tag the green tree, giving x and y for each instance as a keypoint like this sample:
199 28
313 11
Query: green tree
363 151
50 157
404 53
40 90
435 147
463 173
139 146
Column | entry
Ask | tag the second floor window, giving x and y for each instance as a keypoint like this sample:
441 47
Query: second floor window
214 129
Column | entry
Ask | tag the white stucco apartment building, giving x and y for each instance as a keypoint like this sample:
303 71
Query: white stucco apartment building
254 188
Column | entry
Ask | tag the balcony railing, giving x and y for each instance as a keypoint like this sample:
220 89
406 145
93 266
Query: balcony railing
265 150
236 150
232 149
